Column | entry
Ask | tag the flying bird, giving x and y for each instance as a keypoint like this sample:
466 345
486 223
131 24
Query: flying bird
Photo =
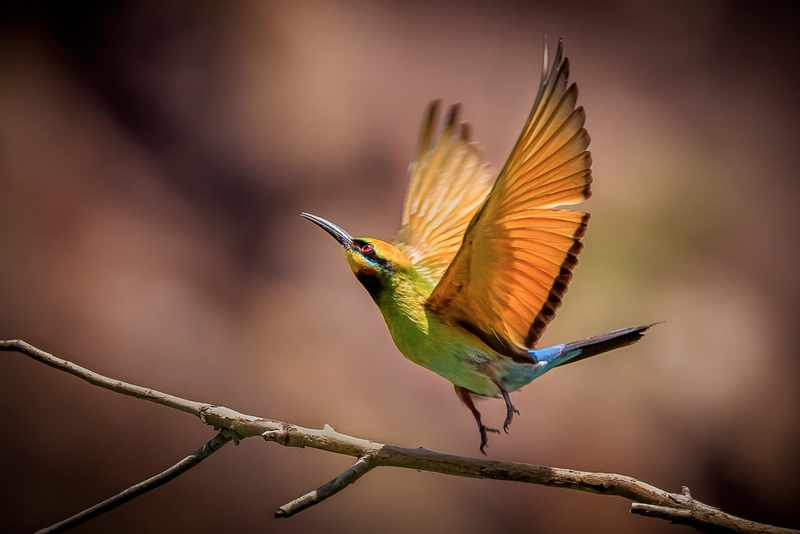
480 265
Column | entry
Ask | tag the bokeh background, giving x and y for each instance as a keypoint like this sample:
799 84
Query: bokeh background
155 156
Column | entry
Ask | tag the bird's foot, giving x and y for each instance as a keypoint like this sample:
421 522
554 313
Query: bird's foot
485 437
510 411
466 397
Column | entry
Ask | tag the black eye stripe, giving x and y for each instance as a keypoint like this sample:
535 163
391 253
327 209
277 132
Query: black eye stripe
372 254
362 245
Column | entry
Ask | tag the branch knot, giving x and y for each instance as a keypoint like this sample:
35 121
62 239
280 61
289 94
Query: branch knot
286 435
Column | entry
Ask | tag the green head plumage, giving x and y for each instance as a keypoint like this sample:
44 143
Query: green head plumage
373 262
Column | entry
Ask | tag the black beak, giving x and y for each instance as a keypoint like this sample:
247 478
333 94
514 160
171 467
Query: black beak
345 239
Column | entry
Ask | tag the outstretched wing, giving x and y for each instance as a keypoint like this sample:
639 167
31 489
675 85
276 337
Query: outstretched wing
511 272
447 183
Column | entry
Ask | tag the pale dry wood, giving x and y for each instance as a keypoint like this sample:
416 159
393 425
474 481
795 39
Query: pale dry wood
141 488
363 466
647 500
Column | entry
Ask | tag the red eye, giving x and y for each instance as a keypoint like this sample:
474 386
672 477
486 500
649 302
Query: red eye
367 248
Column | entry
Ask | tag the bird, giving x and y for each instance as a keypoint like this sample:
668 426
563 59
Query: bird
480 264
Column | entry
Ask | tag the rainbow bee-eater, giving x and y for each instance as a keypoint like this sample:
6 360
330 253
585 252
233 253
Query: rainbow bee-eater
480 265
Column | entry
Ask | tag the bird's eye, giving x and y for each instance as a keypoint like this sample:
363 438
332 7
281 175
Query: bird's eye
367 249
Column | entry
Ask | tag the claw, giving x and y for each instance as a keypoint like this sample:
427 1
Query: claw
510 410
466 398
485 437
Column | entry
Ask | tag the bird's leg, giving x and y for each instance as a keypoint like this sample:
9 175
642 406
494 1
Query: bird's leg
466 398
510 410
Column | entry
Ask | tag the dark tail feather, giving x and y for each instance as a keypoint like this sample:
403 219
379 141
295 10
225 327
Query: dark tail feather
591 346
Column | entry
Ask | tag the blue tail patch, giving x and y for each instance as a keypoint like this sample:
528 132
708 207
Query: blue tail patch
591 346
548 358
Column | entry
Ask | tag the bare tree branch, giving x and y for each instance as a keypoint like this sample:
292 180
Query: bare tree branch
100 380
141 488
363 466
647 500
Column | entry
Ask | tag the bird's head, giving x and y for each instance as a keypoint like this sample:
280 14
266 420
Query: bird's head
374 262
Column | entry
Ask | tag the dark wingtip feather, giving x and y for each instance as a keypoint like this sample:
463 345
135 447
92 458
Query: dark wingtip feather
559 288
599 344
426 132
565 68
466 131
452 115
431 113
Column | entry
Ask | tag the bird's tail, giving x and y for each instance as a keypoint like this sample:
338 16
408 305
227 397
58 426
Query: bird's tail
591 346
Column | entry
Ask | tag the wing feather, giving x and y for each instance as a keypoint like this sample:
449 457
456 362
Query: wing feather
448 181
517 256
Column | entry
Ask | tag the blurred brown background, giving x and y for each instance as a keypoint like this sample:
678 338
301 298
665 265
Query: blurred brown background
154 158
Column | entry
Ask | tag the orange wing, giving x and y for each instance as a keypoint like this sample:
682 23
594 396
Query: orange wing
511 272
447 183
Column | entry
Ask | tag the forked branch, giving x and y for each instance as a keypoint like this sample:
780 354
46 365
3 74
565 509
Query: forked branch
647 500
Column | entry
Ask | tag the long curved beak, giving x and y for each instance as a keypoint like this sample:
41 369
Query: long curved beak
338 233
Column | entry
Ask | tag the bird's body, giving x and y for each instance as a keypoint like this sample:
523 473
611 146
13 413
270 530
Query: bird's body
425 339
446 349
480 265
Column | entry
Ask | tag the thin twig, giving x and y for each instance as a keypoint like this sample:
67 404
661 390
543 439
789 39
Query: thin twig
238 426
102 381
141 488
363 466
676 515
723 523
